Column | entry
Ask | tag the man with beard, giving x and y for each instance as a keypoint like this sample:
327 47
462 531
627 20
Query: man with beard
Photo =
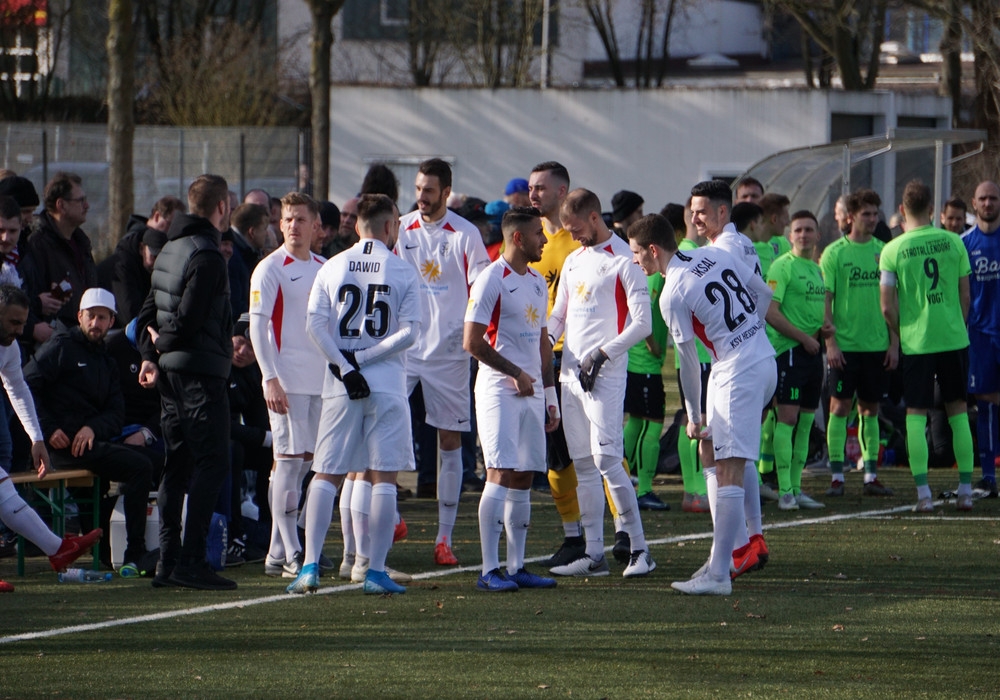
983 245
449 254
81 409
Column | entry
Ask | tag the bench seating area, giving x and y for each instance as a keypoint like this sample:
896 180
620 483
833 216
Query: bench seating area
35 491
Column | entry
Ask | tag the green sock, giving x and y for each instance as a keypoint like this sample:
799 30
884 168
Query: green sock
961 442
783 455
869 437
800 448
916 447
766 462
647 454
633 429
836 437
687 450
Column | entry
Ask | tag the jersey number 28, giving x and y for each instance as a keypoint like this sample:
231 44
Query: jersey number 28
731 293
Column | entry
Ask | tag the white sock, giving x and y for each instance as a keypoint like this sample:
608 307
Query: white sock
590 494
346 522
623 494
361 507
321 496
287 491
276 550
449 490
491 517
516 519
22 519
712 490
572 528
751 504
729 520
923 492
380 524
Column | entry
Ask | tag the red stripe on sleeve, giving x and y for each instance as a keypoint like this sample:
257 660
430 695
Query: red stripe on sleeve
277 316
621 303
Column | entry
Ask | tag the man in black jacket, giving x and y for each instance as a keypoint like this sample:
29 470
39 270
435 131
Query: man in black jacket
127 270
185 339
57 263
80 407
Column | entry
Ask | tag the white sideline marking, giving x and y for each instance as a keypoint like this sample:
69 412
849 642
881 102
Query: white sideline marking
283 597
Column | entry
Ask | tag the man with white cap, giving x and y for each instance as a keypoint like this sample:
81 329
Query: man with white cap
81 410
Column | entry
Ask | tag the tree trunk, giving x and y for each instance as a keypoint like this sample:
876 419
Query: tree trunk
121 117
321 46
951 51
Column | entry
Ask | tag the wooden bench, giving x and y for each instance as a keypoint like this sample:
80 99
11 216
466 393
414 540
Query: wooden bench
35 491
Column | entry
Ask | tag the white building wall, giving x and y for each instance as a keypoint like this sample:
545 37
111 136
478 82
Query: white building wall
655 142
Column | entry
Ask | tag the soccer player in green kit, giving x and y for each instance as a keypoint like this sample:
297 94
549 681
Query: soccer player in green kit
794 326
925 299
863 350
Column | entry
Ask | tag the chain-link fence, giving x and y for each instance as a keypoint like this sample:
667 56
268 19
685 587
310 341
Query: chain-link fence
165 161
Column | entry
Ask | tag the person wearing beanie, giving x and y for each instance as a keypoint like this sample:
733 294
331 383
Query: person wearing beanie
516 193
626 207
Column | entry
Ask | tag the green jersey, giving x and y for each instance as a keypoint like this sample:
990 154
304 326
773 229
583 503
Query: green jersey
765 253
640 359
850 273
798 288
780 245
703 356
928 263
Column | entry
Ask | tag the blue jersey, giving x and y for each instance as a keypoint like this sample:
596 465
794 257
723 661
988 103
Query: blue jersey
984 282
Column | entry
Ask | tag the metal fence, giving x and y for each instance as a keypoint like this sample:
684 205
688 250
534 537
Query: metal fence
165 161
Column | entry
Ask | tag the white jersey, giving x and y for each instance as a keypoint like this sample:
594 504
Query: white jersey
364 294
512 307
448 254
740 246
279 295
706 296
602 302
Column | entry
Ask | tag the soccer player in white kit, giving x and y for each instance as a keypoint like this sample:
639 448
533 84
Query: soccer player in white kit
711 204
449 254
505 330
602 305
289 363
364 311
708 294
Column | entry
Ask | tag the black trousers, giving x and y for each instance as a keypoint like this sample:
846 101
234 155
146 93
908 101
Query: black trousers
133 470
195 423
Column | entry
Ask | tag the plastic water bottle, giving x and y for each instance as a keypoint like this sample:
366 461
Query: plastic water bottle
84 576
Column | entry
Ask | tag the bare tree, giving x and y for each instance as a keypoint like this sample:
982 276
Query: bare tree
321 46
850 31
601 13
121 114
428 33
495 40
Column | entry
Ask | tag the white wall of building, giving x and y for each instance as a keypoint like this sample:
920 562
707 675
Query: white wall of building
655 142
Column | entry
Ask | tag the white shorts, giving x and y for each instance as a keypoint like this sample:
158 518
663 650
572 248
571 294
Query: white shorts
294 433
445 386
372 433
736 397
512 431
592 421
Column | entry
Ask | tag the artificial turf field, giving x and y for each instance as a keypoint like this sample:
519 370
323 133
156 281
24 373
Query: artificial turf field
862 599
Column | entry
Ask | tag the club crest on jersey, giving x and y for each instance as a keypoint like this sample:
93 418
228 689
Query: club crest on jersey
603 270
445 247
430 270
531 315
539 292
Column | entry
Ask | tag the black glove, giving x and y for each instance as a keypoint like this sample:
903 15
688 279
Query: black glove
349 356
589 368
357 386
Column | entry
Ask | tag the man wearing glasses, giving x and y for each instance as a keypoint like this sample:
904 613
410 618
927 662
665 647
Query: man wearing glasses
58 264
